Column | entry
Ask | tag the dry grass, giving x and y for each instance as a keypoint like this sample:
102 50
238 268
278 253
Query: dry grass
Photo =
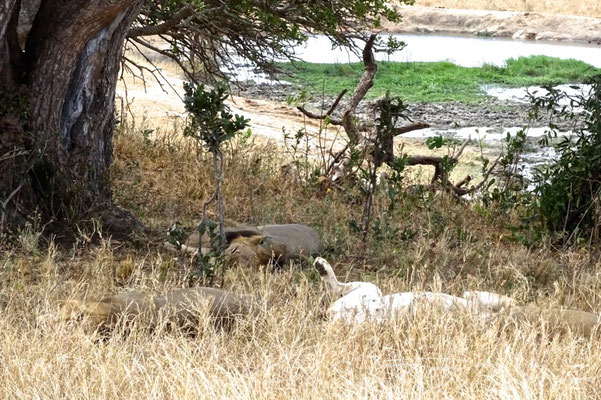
290 350
585 8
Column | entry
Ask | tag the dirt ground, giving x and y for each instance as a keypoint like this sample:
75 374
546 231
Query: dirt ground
157 105
584 8
516 24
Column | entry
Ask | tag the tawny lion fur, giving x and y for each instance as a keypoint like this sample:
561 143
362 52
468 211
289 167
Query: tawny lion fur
254 251
181 306
253 247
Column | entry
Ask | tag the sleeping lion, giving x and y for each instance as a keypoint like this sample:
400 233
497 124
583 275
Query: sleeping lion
252 247
359 302
179 306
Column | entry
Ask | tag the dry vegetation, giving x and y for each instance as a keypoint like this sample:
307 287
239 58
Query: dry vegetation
289 350
585 8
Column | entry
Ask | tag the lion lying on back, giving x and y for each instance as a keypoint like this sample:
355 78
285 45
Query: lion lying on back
260 245
181 306
358 302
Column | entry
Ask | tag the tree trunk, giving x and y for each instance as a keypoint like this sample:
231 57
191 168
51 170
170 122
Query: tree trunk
57 117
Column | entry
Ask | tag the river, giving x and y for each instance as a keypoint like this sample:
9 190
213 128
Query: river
467 51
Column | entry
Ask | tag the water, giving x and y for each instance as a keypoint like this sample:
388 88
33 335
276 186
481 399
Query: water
485 134
467 51
520 95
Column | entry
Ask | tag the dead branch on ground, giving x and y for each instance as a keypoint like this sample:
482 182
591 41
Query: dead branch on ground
381 150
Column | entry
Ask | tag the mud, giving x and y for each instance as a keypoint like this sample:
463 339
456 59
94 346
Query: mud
490 113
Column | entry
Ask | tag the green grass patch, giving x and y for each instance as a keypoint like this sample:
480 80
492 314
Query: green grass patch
439 81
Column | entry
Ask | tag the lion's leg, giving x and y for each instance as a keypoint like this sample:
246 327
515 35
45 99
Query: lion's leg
327 275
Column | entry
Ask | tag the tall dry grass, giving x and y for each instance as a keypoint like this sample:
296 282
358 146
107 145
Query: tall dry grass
585 8
290 350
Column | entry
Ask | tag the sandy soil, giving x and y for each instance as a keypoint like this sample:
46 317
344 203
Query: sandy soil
157 105
584 8
519 25
161 109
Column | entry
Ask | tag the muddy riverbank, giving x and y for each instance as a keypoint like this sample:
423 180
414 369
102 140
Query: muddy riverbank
518 25
491 112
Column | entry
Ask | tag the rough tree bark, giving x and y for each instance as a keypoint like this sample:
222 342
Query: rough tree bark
59 62
57 116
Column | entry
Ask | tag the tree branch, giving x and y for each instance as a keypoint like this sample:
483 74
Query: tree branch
409 128
313 115
366 82
335 103
179 62
436 162
486 175
165 27
4 205
460 152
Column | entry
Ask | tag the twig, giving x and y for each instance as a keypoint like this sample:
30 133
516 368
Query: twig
206 205
5 204
456 156
335 104
313 115
486 175
188 73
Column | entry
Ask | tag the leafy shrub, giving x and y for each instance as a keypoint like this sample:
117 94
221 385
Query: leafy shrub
567 191
211 123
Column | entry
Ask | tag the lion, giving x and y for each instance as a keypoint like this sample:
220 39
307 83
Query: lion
256 250
358 302
180 306
253 247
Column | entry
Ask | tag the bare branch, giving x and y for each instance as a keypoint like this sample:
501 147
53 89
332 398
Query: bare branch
464 181
423 160
366 82
336 159
486 175
172 56
460 152
4 204
367 79
409 128
313 115
335 103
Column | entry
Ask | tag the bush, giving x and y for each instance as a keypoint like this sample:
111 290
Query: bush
567 192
